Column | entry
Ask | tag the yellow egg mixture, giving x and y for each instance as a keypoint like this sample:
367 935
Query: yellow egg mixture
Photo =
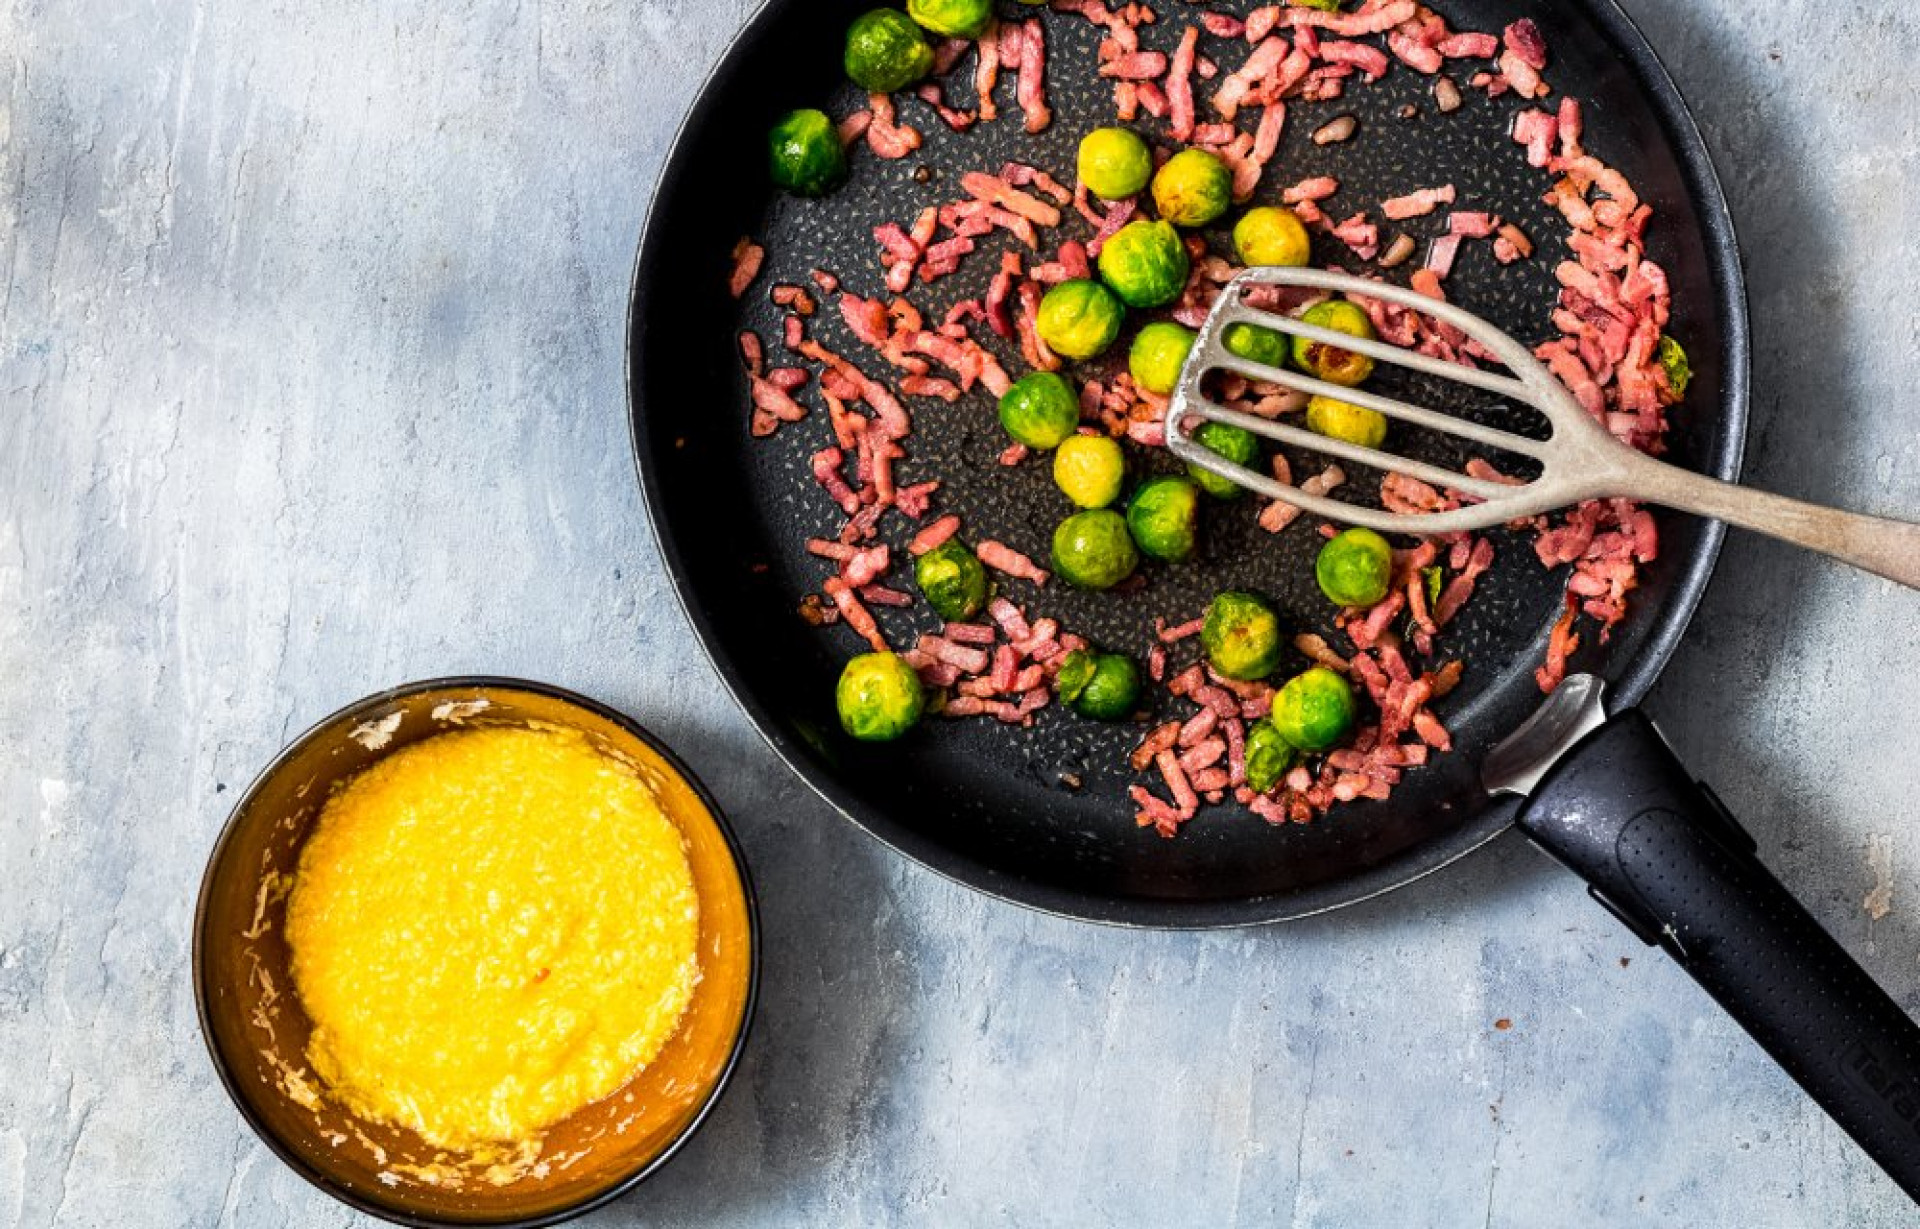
490 929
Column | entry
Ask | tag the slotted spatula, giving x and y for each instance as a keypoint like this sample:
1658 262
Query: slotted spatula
1579 461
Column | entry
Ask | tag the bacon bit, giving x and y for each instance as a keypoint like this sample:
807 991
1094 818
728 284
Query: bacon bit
964 658
747 258
853 127
1369 60
1441 253
986 72
1319 188
880 595
1173 635
1524 40
996 191
857 616
1002 558
888 139
1013 454
1460 588
1359 234
1030 90
1184 799
1180 85
1536 130
794 298
1156 663
930 93
934 534
1468 46
1160 738
1560 646
1320 652
1417 204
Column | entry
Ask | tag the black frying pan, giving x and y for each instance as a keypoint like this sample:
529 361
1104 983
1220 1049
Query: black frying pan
989 805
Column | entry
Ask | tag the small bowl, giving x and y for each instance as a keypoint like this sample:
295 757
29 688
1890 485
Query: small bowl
257 1032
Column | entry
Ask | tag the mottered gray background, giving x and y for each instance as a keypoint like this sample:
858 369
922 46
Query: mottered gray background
310 383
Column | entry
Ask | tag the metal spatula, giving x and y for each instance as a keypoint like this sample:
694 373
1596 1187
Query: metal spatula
1580 460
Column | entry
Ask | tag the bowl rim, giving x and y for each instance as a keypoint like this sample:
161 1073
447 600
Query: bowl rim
315 1175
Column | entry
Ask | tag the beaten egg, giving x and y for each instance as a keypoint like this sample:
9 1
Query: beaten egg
491 929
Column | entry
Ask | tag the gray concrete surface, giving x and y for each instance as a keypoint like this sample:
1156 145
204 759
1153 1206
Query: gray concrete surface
310 350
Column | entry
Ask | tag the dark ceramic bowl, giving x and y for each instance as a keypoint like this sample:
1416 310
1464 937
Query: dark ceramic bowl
257 1033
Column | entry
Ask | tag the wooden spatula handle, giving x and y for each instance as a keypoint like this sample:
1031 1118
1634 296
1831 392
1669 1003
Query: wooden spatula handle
1884 547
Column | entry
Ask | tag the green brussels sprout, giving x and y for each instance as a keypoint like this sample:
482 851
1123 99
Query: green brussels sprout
1268 756
1260 344
1314 710
1090 469
952 18
1076 671
1354 568
1079 318
1342 420
1330 363
1040 410
1145 263
953 581
886 51
1269 235
1236 444
1241 635
1192 188
1159 352
1114 162
1111 691
879 697
1093 550
1164 517
804 154
1673 361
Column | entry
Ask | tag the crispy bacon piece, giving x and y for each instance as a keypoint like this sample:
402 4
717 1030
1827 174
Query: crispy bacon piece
747 259
1003 558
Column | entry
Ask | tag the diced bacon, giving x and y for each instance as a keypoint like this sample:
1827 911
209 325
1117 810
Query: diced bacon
1468 46
1535 129
1030 89
1560 645
1008 616
1373 19
1318 188
1367 58
865 566
930 93
856 615
1184 799
1359 234
1236 86
1021 175
1471 225
886 138
747 259
1417 204
1173 635
1135 66
1523 38
1460 587
1005 559
965 658
1222 25
996 191
1261 21
1180 85
826 470
1441 253
912 500
1118 214
1197 727
1521 76
1156 663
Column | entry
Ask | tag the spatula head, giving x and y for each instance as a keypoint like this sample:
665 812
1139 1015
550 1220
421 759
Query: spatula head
1572 461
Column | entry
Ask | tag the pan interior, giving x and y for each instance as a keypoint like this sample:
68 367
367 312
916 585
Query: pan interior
996 805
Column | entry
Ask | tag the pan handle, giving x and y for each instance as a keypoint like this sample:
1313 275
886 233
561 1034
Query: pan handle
1663 855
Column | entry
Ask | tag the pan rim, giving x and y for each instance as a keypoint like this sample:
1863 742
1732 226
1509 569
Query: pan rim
1666 625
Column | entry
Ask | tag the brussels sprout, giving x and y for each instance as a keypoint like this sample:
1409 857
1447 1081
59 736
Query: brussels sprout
1145 263
886 51
1090 469
1076 671
952 18
1093 550
879 697
804 154
1314 710
1270 235
1112 691
1114 163
1236 444
1268 756
1192 188
1040 410
1241 635
1079 318
1164 517
1159 352
952 580
1354 568
1342 420
1252 341
1330 363
1673 361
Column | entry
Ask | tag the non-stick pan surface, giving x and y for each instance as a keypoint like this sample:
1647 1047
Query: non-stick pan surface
990 805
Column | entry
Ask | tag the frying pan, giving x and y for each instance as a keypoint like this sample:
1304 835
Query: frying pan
1039 815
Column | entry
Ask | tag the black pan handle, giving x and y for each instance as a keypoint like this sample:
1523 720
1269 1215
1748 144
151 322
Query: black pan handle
1663 855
